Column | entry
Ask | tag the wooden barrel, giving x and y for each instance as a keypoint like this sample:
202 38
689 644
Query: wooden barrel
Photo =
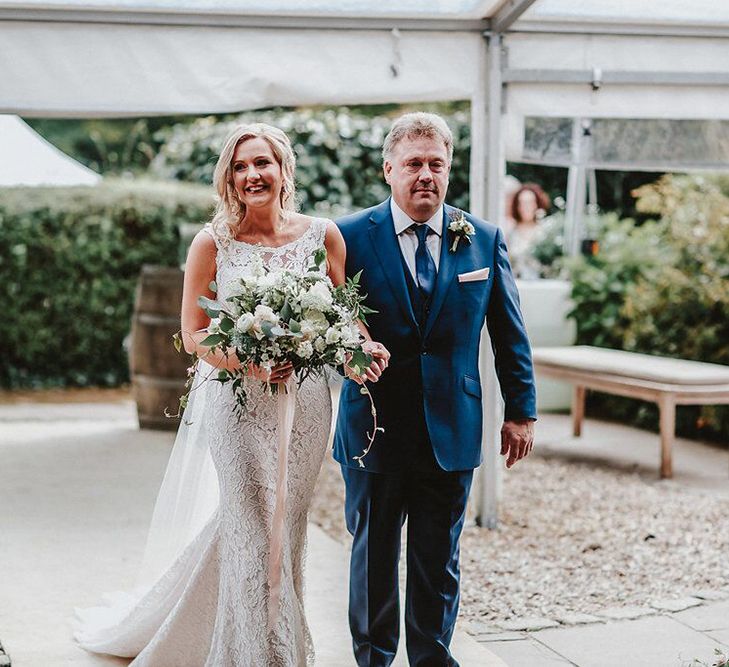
158 371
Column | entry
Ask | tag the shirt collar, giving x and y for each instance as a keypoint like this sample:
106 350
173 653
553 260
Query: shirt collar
403 221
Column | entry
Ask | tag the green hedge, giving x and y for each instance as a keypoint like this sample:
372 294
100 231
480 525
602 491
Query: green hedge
339 155
662 288
69 261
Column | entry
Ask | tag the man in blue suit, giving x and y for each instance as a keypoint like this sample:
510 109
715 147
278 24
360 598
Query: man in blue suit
433 274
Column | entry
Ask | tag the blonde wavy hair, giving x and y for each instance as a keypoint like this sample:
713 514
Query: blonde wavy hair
230 210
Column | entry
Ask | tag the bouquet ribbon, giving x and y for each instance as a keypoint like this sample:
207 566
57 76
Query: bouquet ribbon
286 404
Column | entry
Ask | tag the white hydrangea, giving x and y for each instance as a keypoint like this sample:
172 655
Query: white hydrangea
320 344
305 349
318 296
350 335
267 281
256 266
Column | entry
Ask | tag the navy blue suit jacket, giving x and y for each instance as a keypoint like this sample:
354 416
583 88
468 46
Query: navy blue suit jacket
436 364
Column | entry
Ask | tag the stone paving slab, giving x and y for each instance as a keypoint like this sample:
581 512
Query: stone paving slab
501 637
529 623
480 628
624 613
711 616
711 595
721 636
579 619
675 605
527 653
656 641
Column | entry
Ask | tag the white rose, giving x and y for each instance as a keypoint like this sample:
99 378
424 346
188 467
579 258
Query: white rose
265 314
308 329
320 344
332 335
317 319
245 322
305 349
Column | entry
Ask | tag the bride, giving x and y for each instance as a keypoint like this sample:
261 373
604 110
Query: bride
205 594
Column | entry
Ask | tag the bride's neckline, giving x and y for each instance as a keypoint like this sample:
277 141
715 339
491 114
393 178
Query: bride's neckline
283 245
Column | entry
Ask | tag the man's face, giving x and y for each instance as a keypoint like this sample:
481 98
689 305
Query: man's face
417 173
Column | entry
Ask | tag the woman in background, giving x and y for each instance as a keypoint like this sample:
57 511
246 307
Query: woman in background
529 206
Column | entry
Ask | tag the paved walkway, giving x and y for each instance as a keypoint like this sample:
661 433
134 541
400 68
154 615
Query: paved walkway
77 487
669 633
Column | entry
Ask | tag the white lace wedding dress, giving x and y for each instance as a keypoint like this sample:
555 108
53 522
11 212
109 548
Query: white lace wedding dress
210 606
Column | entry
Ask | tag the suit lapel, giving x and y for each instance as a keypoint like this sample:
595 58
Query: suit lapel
446 271
387 250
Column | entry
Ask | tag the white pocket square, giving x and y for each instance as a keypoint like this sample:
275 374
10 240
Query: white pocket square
478 274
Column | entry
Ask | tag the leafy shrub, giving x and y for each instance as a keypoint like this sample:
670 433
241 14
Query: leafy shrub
69 261
662 288
338 152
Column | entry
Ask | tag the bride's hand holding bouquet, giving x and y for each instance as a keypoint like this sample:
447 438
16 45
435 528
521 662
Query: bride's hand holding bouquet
278 325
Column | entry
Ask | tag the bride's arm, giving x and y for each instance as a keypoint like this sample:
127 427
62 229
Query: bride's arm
199 273
336 256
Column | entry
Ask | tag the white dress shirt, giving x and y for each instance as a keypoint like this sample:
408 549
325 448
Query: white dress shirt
408 240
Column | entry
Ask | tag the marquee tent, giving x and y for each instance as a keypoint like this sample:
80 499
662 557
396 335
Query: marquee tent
26 158
541 75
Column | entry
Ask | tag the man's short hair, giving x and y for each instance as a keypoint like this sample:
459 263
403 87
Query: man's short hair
415 125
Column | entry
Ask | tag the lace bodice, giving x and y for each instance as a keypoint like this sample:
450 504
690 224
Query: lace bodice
233 257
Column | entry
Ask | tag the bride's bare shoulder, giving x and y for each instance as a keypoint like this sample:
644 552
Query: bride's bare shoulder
204 241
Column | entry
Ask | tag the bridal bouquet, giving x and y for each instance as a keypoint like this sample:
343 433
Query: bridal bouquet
275 316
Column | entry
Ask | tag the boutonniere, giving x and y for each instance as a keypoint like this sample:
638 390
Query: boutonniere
460 228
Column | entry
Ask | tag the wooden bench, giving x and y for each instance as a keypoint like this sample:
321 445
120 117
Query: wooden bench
666 382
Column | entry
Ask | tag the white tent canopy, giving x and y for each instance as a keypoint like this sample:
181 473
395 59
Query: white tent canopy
513 59
26 158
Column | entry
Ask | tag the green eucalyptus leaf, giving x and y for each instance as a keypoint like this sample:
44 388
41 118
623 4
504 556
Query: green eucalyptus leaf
212 340
286 311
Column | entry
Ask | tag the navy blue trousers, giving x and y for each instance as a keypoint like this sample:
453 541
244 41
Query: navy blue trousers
434 503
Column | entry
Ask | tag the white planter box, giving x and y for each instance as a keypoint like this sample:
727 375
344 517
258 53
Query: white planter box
545 304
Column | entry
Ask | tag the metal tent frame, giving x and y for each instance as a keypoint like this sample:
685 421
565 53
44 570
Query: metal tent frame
495 20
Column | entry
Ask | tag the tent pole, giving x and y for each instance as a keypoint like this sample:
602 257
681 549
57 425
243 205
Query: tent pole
576 187
487 171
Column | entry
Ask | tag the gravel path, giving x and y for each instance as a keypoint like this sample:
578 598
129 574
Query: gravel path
577 538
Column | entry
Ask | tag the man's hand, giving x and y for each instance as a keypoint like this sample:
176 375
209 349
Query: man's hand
277 374
517 440
380 361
